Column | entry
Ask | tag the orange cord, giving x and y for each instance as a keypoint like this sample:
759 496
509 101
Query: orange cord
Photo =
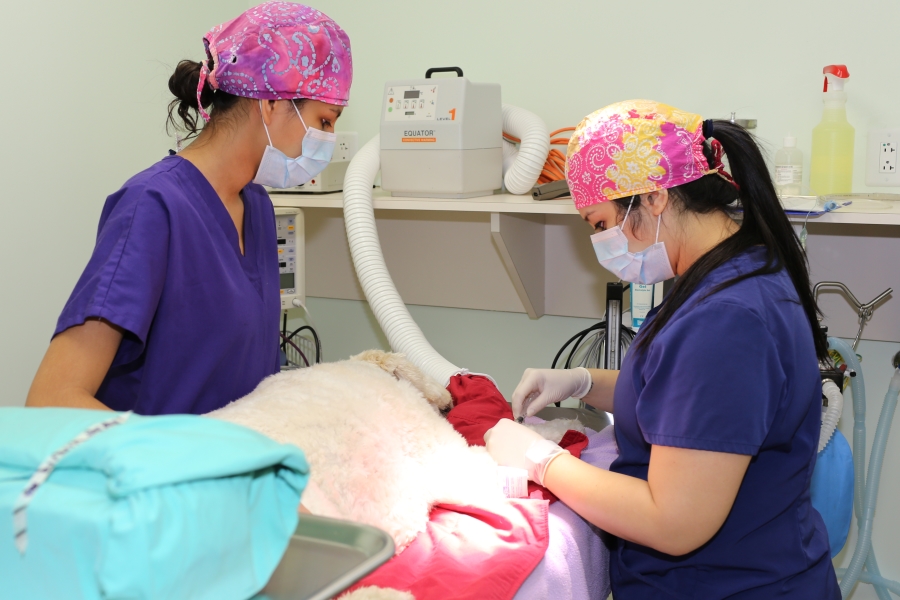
555 167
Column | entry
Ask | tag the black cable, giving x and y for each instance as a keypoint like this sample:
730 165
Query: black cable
299 351
570 340
297 348
627 339
583 334
599 327
315 339
561 350
579 338
283 330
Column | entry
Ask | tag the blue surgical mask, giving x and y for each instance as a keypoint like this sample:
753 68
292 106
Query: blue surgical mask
650 265
278 171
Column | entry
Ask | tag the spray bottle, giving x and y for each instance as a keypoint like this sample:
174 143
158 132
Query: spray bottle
831 164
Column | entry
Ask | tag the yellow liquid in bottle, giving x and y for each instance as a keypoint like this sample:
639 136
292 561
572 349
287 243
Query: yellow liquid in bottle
831 164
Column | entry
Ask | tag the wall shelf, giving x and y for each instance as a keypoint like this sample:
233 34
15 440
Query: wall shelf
846 217
499 203
517 229
870 214
516 254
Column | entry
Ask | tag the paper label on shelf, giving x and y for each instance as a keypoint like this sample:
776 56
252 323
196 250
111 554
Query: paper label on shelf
641 303
787 174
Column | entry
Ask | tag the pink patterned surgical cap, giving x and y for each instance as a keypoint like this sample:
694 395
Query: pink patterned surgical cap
279 51
634 147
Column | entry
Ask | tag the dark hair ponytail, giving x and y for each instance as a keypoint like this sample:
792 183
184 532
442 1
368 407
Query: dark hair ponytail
764 223
183 85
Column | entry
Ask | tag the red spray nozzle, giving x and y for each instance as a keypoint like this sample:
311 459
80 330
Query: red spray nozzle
838 71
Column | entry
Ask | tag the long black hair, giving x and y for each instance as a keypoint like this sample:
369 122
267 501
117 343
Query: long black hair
763 223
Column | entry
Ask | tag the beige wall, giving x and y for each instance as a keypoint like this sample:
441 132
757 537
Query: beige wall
83 108
565 59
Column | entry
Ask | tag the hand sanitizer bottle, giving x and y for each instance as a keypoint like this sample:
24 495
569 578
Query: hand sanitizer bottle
788 168
831 163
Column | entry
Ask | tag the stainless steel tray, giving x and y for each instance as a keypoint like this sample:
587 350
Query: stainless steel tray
325 557
591 419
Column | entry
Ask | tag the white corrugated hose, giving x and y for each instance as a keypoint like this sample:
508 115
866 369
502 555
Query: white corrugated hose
832 414
359 219
393 317
523 166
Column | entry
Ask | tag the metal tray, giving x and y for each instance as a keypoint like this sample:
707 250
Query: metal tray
592 419
325 557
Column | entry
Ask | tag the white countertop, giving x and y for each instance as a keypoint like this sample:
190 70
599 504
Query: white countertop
507 203
862 211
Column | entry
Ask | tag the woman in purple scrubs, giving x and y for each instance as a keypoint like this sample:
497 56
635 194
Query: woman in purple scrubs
718 402
178 308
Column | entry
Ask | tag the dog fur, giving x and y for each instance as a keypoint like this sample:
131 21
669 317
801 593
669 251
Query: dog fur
555 430
377 593
379 451
402 369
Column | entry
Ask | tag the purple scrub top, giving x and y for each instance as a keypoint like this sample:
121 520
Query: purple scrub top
200 319
734 371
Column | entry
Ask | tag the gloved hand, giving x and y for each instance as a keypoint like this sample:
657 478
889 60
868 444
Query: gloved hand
541 387
513 445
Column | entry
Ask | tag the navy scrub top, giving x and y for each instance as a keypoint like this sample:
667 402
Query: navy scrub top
200 319
732 372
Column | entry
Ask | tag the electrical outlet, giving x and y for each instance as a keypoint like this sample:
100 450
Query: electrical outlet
881 158
888 160
345 146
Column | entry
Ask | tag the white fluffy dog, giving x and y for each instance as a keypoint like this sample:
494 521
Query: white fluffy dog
379 450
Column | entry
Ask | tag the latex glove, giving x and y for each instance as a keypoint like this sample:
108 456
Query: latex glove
542 387
513 445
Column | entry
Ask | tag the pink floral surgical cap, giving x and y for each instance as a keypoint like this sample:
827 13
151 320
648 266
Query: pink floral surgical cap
279 51
634 147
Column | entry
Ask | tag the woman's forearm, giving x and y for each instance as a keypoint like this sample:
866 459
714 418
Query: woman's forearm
618 504
601 394
685 500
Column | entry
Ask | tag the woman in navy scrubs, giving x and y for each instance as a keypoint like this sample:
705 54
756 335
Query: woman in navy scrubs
178 308
718 402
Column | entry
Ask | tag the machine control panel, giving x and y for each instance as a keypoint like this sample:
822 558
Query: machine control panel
289 236
411 102
441 138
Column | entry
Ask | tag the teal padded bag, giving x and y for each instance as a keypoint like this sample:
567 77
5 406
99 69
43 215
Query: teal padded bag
155 507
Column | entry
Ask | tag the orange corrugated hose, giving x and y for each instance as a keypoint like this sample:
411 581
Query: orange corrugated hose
555 167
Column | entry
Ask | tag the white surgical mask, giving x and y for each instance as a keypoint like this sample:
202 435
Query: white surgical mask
278 171
650 265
